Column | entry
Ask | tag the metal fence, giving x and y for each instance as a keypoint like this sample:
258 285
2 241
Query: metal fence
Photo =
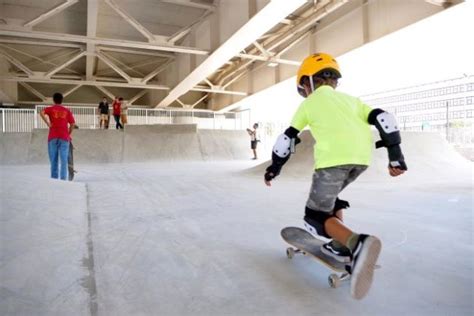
86 117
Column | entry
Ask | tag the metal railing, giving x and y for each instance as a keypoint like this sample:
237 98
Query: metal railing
86 117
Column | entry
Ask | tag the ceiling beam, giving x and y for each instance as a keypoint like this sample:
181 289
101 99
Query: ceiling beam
155 72
130 20
50 13
106 92
33 91
92 16
122 64
84 82
270 59
39 61
137 96
8 31
17 63
68 92
67 63
218 90
188 3
136 52
39 43
114 66
258 25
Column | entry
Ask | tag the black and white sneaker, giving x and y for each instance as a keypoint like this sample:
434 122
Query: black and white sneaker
341 254
365 257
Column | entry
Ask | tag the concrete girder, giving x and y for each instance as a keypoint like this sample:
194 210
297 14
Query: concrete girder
260 23
6 31
155 72
92 16
106 92
67 63
68 92
33 90
50 13
84 82
137 96
40 43
41 60
114 66
17 63
188 3
130 20
122 64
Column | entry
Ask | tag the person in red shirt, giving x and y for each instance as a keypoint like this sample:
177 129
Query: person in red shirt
117 110
61 124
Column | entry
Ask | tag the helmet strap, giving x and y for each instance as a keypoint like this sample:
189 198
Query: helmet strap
311 83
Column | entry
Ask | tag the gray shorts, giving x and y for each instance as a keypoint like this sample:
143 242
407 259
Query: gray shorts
328 183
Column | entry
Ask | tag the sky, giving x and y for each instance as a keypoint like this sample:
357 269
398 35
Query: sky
439 47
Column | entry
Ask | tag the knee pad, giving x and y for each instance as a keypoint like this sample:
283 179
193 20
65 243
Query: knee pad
317 220
340 204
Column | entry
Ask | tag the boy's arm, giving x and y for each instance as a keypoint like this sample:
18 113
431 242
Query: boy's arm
43 116
285 144
387 126
282 150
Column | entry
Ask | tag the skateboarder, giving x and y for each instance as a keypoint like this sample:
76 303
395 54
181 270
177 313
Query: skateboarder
61 124
340 125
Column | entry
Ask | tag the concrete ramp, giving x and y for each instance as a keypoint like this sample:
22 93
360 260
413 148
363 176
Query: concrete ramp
224 145
137 143
14 148
428 156
161 142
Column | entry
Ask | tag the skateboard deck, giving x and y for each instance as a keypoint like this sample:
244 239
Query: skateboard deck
307 244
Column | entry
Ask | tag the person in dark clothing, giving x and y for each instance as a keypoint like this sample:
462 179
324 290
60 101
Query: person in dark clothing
104 113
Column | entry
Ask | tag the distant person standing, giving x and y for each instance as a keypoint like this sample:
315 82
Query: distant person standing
61 124
117 110
123 115
254 139
104 113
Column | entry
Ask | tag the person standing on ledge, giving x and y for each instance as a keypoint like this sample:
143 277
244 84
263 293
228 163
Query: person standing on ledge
61 124
117 110
254 139
103 113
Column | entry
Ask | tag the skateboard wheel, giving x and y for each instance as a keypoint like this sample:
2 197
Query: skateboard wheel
334 281
290 253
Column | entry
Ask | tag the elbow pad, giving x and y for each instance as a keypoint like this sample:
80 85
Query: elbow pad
286 142
387 126
283 148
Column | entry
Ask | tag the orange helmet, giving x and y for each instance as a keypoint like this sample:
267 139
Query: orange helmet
315 64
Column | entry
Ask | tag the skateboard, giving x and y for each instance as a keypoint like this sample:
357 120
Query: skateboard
70 163
309 245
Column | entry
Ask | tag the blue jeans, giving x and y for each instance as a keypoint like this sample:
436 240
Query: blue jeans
58 147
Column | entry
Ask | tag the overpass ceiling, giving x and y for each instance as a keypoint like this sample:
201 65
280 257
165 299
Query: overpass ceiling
119 43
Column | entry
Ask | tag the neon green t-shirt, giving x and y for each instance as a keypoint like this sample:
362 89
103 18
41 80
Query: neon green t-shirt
338 123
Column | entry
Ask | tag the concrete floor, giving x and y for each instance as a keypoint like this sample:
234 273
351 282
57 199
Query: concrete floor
202 238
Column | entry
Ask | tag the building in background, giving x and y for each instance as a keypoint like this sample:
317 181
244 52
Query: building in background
444 106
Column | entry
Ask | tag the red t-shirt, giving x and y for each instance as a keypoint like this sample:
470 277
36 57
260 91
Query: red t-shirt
117 105
59 116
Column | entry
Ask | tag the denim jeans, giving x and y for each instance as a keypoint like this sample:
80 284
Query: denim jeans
58 148
117 122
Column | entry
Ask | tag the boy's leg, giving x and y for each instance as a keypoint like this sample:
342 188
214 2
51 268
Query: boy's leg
63 155
327 183
53 157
